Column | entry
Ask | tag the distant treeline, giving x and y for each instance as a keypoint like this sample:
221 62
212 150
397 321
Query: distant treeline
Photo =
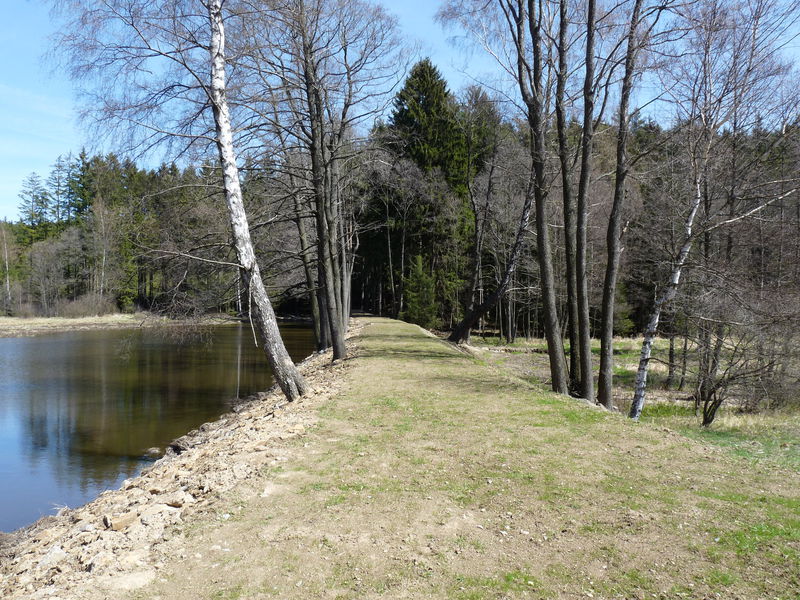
100 234
630 168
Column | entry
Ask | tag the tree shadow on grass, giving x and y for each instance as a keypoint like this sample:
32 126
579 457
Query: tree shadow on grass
416 355
383 346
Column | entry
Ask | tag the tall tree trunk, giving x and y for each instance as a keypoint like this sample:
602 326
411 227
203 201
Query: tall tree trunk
326 258
7 303
389 255
512 315
326 226
308 268
552 329
324 313
581 226
684 359
336 235
671 369
524 20
614 231
286 374
401 304
349 247
568 201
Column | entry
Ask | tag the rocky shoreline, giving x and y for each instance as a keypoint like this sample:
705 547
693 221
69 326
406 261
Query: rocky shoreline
122 539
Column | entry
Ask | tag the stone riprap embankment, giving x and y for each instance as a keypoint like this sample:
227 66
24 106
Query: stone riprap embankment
121 540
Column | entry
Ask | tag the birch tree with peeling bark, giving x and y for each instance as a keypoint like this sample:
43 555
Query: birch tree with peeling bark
727 66
157 72
6 269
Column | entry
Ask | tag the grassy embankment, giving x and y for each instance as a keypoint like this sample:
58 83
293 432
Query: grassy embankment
437 474
770 435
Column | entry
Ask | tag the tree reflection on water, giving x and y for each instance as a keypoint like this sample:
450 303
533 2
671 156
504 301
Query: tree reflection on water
78 411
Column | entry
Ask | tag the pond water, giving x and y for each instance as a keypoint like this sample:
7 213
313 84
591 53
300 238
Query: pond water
79 410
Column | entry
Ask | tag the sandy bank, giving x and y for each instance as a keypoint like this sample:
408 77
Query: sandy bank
21 327
121 540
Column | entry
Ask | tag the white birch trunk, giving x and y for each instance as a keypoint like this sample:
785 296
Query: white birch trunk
665 298
263 316
103 242
7 306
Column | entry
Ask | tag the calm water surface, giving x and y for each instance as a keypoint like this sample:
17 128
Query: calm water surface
79 410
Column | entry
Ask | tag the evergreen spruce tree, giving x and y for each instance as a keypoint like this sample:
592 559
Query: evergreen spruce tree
424 121
58 189
424 128
421 307
33 208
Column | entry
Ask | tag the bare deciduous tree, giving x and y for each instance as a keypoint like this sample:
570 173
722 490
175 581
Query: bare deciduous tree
158 72
727 69
319 70
518 35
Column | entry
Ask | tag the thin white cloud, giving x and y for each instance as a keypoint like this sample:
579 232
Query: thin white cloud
30 101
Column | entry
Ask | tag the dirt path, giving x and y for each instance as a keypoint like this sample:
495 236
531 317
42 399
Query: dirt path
432 474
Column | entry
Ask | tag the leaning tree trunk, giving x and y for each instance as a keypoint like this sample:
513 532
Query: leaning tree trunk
665 298
477 246
286 374
461 331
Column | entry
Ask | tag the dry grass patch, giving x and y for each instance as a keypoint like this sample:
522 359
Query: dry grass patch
25 327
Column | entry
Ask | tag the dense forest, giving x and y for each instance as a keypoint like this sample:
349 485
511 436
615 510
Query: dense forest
629 169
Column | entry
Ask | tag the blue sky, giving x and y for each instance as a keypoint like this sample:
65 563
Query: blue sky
37 101
38 120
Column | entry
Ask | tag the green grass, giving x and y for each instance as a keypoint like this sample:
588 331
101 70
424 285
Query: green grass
771 437
753 537
497 586
433 475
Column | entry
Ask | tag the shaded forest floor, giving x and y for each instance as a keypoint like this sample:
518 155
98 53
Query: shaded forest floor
437 474
433 473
